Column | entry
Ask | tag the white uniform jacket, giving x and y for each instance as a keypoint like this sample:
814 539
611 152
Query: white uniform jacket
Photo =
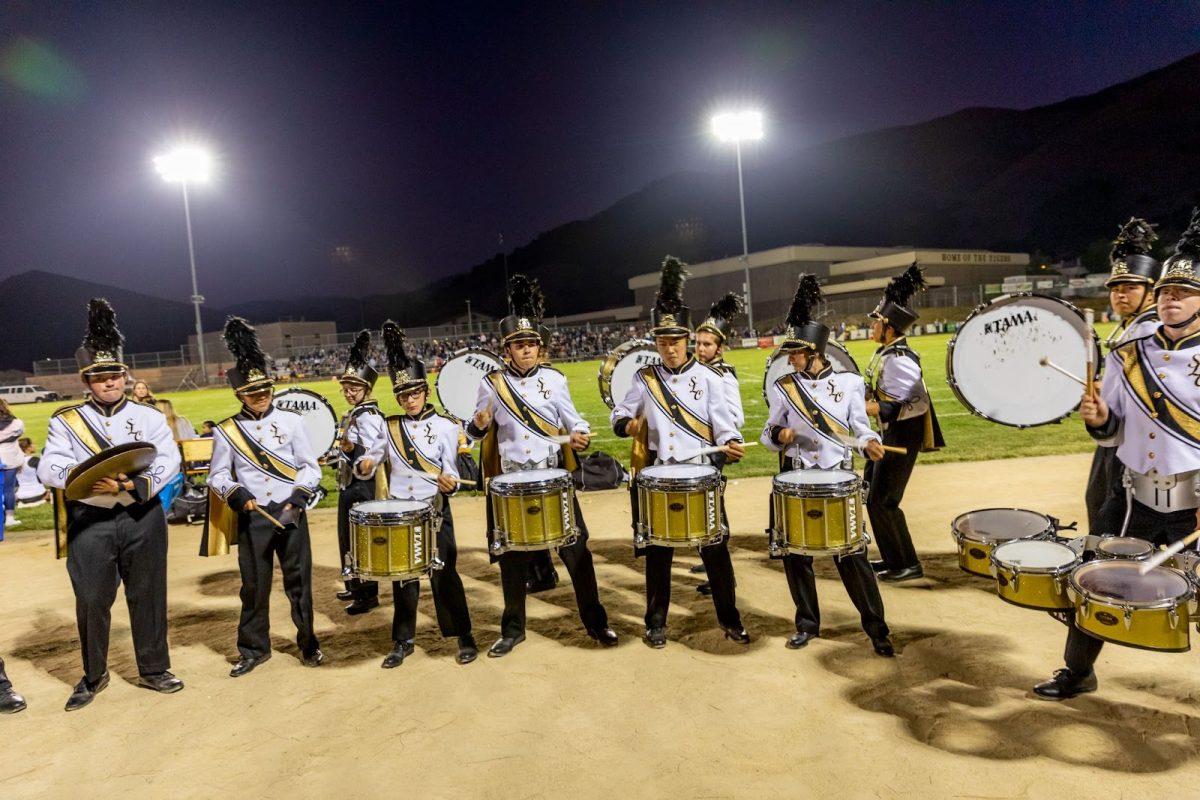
528 409
896 378
733 392
266 458
362 425
819 408
418 449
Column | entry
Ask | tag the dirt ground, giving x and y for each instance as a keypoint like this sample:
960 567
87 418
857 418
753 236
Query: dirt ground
950 716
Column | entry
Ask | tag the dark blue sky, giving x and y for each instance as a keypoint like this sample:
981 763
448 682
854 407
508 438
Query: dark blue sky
413 133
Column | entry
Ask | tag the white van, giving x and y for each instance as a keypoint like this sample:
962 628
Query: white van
27 393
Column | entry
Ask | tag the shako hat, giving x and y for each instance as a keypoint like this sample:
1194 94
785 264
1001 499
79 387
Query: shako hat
670 317
102 348
1180 268
1130 260
719 321
249 373
894 308
528 304
358 370
407 373
803 332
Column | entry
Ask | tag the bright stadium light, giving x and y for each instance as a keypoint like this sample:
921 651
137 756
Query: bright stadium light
738 127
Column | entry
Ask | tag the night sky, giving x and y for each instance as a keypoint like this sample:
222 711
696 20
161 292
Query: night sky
410 135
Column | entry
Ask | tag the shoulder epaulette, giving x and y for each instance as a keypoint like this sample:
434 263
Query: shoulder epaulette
715 370
65 409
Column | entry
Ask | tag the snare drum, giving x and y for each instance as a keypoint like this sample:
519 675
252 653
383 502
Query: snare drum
621 365
532 510
1116 603
1124 547
977 532
393 539
1032 573
457 383
818 512
679 505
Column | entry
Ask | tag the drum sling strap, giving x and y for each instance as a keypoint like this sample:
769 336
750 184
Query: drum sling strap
409 453
93 440
669 404
523 412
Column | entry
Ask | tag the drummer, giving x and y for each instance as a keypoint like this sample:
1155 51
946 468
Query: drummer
518 411
118 534
421 447
673 409
813 407
902 404
541 575
1130 293
1148 403
263 466
361 425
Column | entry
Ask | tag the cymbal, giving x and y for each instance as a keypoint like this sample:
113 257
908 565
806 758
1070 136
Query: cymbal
128 458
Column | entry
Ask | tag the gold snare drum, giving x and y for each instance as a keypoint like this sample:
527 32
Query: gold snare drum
1033 573
393 539
1116 603
532 510
1124 547
977 532
818 512
679 505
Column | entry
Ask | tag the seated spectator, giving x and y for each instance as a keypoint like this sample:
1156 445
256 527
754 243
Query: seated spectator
141 393
30 491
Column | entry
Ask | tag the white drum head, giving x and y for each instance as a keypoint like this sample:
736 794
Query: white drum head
529 476
816 477
390 506
458 380
622 365
678 471
1034 554
994 359
777 366
320 421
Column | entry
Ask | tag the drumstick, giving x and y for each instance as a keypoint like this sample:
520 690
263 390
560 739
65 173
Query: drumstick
1163 555
1089 316
850 441
1046 362
273 521
566 438
716 448
461 482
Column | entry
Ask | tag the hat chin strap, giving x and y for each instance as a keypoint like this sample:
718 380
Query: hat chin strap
1185 323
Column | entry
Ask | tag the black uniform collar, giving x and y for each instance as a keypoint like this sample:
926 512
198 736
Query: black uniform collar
366 405
684 367
898 342
107 409
1186 343
246 413
424 414
824 373
513 369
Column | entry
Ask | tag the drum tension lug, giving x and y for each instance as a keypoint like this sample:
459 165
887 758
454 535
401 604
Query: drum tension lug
1128 614
1173 617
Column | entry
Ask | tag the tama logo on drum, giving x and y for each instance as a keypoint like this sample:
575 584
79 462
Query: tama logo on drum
479 363
1013 320
297 405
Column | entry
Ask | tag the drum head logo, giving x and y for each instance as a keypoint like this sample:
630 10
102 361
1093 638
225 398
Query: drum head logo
1105 618
1011 321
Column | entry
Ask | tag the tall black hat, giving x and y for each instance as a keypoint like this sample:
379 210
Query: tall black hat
406 373
1180 268
719 321
103 345
528 304
249 373
803 332
357 369
1130 258
670 317
894 308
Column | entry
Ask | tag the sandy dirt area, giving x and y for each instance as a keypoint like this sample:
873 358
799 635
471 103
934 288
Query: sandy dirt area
950 716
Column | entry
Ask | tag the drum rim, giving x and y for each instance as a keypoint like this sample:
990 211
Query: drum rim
609 365
465 351
542 486
1109 600
1008 566
766 387
707 482
971 537
851 485
979 309
328 407
1128 557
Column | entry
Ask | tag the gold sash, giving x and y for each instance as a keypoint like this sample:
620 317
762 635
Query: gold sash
91 440
255 453
670 405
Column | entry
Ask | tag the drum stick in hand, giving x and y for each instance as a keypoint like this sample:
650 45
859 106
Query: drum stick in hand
850 441
272 520
1089 316
565 438
716 448
1163 555
1046 362
461 482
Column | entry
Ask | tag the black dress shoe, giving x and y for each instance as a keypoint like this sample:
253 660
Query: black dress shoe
698 569
906 574
345 594
85 692
879 566
396 657
704 589
883 647
656 637
362 606
738 635
504 645
247 664
605 636
535 585
163 682
468 651
1066 684
314 659
11 702
799 639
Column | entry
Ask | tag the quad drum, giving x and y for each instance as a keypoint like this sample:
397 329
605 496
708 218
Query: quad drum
393 539
1033 573
532 510
679 505
817 512
1115 602
978 532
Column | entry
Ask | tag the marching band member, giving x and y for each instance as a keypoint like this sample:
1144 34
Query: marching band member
421 447
360 426
1149 404
118 535
906 416
673 409
264 469
542 576
10 701
1130 292
814 406
519 411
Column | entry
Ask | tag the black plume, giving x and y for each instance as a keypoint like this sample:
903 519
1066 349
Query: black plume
670 288
727 307
242 342
1136 238
808 295
360 351
102 333
1188 245
393 343
905 285
527 298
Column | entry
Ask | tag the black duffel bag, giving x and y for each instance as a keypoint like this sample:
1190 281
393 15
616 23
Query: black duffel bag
468 470
190 506
598 471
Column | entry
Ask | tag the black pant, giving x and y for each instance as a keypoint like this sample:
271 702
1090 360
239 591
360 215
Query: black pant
719 568
5 683
888 478
449 597
1104 489
1082 648
105 548
357 492
578 560
859 580
258 544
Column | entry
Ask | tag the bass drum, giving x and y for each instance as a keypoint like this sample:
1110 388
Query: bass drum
457 383
320 421
617 370
994 360
777 366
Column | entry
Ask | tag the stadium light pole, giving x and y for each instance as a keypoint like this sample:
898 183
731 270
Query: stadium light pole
738 127
185 165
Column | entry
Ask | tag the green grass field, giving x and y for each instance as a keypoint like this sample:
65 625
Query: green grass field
968 438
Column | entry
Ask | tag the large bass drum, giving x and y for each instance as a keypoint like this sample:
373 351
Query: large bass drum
320 421
458 380
994 360
619 367
777 366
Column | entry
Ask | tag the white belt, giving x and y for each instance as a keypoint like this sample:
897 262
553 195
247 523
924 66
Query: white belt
1165 493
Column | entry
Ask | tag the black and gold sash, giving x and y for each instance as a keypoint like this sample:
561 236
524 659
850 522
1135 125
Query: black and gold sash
93 440
521 410
408 451
669 404
828 426
1140 375
256 454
